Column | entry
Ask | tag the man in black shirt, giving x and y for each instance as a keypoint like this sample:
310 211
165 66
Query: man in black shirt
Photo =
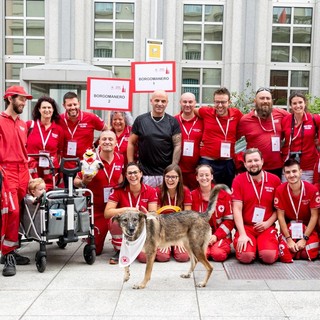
159 140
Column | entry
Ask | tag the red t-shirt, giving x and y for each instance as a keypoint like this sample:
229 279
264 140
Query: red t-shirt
191 130
214 134
258 135
310 200
187 199
52 140
13 139
302 140
243 190
122 142
105 178
222 219
122 197
81 131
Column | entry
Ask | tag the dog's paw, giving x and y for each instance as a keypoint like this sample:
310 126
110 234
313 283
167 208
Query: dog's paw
138 286
126 277
185 275
201 284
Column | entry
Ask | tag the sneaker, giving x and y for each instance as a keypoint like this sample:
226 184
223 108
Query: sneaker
20 260
115 258
9 268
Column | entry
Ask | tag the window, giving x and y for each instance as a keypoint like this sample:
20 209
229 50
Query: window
113 30
202 50
24 36
24 27
290 51
202 32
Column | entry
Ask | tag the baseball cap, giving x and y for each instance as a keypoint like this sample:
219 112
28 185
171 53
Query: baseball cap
13 90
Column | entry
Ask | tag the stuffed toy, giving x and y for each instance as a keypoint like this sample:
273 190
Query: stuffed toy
90 165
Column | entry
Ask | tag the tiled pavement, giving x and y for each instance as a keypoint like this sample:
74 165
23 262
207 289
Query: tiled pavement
71 289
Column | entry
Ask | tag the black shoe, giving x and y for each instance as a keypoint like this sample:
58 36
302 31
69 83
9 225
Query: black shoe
115 258
9 268
20 260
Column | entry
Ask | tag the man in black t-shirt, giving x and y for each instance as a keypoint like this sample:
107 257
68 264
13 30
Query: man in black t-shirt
159 140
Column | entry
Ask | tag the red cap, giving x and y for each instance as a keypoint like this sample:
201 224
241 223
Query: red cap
13 90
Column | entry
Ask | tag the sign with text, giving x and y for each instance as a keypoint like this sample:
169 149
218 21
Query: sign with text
151 76
109 94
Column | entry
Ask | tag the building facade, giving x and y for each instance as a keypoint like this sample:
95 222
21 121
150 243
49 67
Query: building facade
239 44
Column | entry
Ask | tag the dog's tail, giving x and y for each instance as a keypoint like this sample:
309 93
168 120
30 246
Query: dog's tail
213 199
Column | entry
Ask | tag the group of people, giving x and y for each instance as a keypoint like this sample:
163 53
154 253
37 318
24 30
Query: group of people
167 163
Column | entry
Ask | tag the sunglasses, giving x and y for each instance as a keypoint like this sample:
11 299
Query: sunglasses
263 89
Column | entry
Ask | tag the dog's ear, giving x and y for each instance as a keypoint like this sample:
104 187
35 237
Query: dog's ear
142 216
115 218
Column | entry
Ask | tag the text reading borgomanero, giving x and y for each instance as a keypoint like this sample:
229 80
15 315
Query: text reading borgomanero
109 96
153 78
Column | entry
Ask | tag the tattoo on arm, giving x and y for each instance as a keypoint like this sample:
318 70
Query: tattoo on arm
176 148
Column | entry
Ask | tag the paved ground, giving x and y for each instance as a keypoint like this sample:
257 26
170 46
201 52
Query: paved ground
71 289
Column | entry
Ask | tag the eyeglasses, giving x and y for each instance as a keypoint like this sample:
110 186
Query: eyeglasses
171 177
131 173
263 89
220 102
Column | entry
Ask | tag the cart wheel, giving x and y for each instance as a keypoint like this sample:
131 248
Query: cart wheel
41 263
89 254
61 244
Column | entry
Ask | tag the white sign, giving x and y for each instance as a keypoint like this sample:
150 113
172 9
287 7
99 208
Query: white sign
109 94
151 76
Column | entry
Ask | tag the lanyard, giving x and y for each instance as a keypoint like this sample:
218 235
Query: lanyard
227 128
169 199
105 171
75 129
292 137
122 139
184 128
263 128
296 211
44 142
255 189
130 200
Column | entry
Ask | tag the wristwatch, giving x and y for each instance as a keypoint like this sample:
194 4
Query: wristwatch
305 237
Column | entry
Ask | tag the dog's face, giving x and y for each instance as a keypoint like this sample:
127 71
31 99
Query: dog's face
131 223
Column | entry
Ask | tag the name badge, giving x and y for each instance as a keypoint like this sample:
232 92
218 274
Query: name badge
258 214
188 148
106 194
44 161
275 143
296 230
72 148
225 151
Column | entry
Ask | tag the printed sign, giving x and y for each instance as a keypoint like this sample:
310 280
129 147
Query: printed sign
151 76
109 94
154 50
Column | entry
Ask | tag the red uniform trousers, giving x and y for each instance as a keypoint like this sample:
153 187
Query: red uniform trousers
101 228
220 250
310 252
189 180
266 243
17 179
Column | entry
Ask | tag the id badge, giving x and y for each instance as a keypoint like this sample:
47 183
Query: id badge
188 148
296 230
106 194
275 143
258 214
225 151
44 161
72 148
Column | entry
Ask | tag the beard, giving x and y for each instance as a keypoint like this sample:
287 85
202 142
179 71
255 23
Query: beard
255 173
16 107
264 111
